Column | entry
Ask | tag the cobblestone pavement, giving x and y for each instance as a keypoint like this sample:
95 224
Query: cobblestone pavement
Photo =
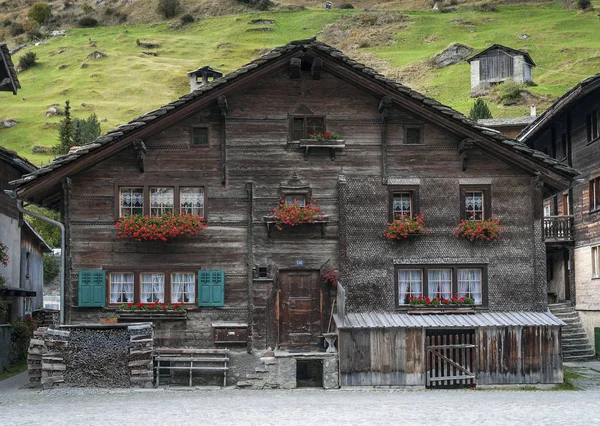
87 406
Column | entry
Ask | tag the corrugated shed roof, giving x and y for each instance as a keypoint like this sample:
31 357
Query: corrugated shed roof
300 45
484 319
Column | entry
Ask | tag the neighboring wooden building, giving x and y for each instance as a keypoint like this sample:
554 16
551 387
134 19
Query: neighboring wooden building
235 147
496 64
8 76
510 127
569 131
24 277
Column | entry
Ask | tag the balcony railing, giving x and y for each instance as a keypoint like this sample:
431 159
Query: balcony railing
558 228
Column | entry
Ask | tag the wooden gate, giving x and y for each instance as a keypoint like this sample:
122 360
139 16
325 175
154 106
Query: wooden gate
450 359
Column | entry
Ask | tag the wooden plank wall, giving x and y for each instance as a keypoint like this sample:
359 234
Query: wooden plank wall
381 357
396 356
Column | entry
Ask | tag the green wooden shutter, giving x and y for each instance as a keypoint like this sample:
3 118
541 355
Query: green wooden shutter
211 288
92 288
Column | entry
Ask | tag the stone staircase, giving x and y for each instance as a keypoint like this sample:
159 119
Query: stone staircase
575 344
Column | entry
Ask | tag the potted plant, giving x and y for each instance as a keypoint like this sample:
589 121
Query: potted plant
323 136
330 277
481 230
109 317
437 302
159 228
405 226
295 214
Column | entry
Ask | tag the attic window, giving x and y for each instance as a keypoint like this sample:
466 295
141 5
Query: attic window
591 121
302 127
413 135
199 136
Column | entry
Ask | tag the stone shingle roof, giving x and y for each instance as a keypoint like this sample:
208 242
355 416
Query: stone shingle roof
8 75
16 161
507 49
580 89
151 117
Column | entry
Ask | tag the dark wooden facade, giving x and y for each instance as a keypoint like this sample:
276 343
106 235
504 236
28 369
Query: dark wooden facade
569 131
251 161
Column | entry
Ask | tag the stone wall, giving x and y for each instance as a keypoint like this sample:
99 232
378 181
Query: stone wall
5 333
95 355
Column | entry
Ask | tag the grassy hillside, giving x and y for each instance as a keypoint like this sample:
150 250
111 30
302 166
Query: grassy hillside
126 82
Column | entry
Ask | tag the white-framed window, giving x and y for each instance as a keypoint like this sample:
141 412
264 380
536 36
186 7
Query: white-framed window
183 287
191 200
131 201
161 201
402 204
474 205
595 261
410 284
441 281
470 284
121 287
152 287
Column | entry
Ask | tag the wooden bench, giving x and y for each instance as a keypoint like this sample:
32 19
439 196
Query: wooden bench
208 360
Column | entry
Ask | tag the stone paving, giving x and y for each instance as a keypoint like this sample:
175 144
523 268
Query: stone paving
90 406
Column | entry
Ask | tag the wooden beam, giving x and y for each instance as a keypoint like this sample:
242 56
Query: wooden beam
464 147
295 68
385 107
140 149
224 108
316 69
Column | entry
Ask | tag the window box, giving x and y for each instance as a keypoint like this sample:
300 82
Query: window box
140 315
482 230
406 226
331 144
428 310
271 222
159 228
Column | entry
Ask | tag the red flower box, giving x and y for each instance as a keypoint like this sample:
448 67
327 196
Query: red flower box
159 228
295 214
405 226
482 230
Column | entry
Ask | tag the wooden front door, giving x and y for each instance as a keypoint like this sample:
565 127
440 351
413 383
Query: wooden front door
299 307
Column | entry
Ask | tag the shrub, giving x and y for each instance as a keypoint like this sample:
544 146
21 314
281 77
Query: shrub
187 19
87 22
27 61
509 91
168 8
50 267
34 34
258 4
40 12
584 4
480 110
345 6
16 29
86 8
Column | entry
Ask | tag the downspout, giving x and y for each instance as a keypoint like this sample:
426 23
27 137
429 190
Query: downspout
62 253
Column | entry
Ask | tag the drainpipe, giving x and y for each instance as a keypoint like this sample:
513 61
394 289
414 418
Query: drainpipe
13 194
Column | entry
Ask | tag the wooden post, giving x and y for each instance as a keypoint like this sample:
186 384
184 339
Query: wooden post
224 108
385 107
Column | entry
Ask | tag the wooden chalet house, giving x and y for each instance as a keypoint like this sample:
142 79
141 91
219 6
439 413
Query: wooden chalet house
498 63
236 147
569 131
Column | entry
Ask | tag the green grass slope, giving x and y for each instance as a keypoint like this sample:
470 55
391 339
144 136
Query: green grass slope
127 83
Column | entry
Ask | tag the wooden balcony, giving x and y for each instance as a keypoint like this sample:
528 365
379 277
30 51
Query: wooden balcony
558 229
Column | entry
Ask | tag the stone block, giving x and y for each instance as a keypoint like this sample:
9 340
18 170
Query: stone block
53 367
331 378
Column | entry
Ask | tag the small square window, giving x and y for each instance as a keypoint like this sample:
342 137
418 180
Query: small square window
303 127
131 201
476 202
183 287
199 136
262 272
298 199
402 205
121 287
191 201
474 205
413 136
161 201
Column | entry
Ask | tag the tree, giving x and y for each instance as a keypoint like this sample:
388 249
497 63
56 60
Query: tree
40 12
50 233
86 130
480 110
65 132
168 8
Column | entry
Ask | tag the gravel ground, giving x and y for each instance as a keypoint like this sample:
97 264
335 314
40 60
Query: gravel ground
88 406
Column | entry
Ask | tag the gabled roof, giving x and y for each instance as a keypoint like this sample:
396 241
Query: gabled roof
564 102
506 49
205 68
45 247
490 141
8 76
505 122
16 161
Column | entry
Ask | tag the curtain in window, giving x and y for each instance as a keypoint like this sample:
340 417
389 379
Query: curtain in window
121 288
439 283
410 283
183 288
469 284
132 201
161 201
192 201
153 288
